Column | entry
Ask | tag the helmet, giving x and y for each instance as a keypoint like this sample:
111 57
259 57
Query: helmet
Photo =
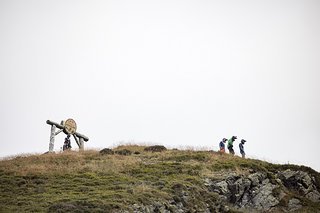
234 137
224 139
243 141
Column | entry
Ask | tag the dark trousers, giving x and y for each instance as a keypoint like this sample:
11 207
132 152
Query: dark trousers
231 151
243 155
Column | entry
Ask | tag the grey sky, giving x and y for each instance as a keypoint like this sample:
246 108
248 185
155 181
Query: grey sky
177 73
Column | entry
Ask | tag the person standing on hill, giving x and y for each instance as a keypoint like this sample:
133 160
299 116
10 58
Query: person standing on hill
230 144
242 148
222 146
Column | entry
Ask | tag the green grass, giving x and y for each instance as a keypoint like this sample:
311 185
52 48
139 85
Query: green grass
90 182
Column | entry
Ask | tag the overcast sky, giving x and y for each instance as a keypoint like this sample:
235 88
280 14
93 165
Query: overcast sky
177 73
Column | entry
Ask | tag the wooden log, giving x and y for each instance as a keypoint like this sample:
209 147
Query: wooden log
56 124
81 144
53 133
85 138
59 131
76 139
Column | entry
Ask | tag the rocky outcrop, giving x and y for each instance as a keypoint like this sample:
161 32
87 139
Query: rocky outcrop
301 182
253 192
294 204
262 192
185 199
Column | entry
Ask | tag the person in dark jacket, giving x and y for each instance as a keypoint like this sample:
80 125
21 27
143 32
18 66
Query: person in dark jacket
230 144
242 148
67 143
222 145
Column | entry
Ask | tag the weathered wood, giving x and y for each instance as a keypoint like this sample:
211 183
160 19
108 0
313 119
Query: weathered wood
56 124
85 138
70 126
81 147
76 139
53 133
59 131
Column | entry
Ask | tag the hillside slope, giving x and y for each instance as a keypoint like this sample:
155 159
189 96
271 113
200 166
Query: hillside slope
134 180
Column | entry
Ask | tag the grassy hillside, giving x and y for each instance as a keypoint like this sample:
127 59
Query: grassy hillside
91 182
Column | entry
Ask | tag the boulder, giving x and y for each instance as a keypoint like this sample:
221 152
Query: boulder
123 152
313 196
106 151
156 148
294 204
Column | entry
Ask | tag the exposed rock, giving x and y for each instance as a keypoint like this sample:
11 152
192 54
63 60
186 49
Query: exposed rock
239 189
262 198
294 204
300 181
221 188
156 148
123 152
106 151
257 178
313 196
254 191
185 201
296 180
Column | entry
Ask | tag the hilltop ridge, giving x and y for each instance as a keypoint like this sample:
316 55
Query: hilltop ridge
135 179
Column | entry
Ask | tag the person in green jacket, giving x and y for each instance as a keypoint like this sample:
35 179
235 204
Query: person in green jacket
230 144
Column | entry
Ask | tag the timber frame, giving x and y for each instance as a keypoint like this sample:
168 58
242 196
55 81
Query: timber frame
79 138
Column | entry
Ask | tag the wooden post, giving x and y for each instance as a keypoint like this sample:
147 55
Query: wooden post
59 131
76 139
53 133
81 144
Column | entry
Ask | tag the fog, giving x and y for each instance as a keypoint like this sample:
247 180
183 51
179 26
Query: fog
178 73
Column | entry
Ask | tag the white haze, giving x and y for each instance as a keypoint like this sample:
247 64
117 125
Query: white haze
177 73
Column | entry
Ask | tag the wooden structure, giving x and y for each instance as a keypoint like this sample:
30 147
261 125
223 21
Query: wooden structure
69 127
